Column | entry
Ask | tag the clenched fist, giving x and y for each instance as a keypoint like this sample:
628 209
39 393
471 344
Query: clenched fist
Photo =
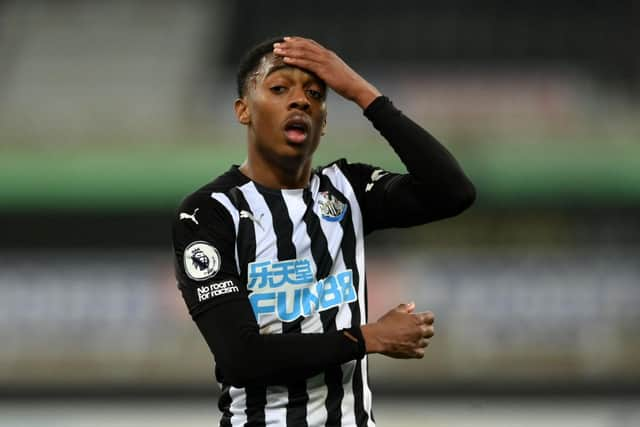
400 333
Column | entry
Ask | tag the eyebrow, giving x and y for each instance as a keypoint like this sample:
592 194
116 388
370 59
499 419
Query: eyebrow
276 68
282 66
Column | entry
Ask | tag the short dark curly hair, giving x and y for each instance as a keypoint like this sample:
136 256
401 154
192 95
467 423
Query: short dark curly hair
251 60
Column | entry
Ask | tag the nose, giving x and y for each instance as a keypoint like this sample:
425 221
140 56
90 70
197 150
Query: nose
299 101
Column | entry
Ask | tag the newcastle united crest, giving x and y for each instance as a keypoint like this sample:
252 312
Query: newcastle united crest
331 209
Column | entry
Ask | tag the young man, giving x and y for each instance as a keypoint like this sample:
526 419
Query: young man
270 255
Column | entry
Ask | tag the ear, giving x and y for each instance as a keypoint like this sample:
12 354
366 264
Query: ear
242 111
324 125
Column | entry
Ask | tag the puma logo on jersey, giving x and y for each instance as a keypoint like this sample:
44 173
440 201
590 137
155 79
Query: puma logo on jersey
247 214
192 216
375 176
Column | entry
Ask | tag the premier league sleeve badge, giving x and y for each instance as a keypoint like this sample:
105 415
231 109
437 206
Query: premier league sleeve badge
201 260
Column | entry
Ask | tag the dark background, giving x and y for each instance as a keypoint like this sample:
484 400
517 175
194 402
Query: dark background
111 112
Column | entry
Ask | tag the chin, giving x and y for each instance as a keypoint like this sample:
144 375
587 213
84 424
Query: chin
296 152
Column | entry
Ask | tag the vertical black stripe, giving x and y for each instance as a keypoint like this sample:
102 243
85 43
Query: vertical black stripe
366 319
224 403
324 263
319 246
358 395
282 225
348 247
283 228
348 244
246 242
297 404
256 401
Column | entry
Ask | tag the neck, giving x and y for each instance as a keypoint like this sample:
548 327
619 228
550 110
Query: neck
277 174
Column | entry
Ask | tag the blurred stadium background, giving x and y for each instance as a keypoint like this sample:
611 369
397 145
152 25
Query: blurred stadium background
110 112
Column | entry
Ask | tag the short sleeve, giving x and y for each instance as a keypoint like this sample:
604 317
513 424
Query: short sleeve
204 254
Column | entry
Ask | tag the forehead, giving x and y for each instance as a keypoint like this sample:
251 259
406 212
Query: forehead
271 64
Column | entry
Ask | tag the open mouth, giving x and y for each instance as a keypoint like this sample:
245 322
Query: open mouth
296 129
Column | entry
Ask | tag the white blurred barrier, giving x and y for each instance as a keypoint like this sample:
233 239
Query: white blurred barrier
417 411
90 318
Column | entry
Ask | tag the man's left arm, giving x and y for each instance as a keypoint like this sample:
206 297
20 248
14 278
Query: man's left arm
435 187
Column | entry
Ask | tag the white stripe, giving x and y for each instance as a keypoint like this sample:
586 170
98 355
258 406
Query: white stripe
366 392
348 401
317 391
263 226
277 397
238 396
335 235
341 183
275 411
238 406
296 208
266 247
314 185
343 318
224 200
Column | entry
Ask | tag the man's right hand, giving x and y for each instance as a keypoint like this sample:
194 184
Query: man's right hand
400 333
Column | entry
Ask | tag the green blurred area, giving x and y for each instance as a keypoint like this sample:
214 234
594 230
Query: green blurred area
157 176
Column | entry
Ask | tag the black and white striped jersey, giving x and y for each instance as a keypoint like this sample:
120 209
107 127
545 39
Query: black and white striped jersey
297 257
275 277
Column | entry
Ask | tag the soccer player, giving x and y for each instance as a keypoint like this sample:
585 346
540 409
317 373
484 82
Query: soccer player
270 255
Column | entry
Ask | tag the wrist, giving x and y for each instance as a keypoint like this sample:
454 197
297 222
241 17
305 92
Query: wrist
365 96
370 336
